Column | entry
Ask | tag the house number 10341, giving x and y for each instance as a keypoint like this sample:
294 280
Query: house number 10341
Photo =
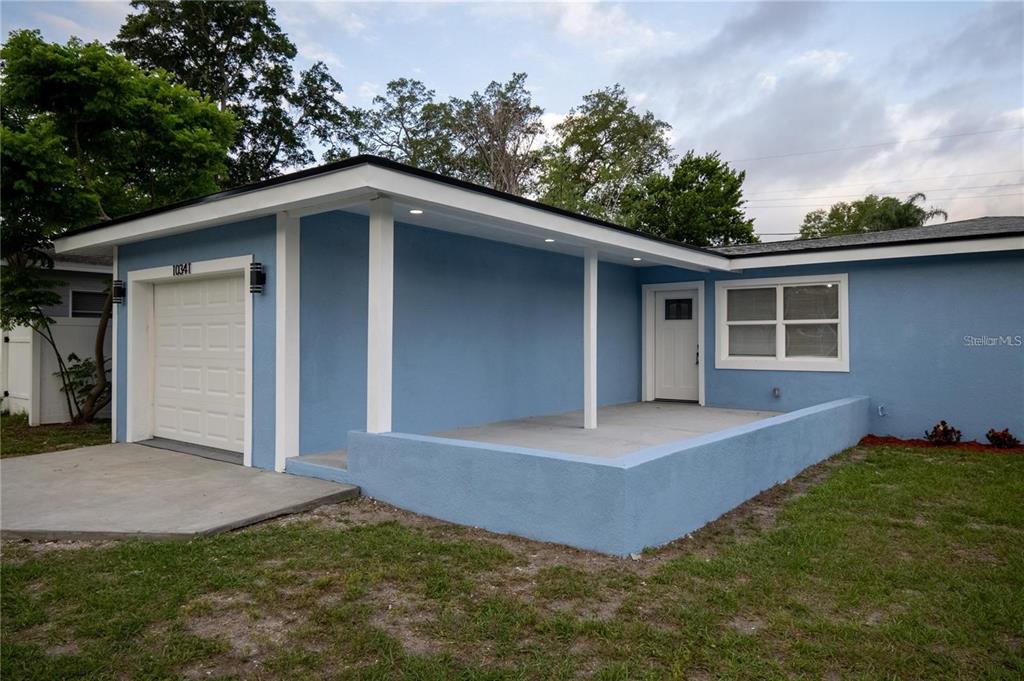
181 269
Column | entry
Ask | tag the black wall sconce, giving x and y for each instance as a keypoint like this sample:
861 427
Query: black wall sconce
257 277
117 291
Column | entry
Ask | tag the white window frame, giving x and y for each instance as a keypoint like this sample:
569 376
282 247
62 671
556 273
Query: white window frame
71 304
780 362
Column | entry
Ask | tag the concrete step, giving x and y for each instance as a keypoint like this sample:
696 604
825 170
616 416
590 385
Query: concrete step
332 466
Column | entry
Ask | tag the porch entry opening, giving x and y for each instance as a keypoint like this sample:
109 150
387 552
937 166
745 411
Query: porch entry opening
676 346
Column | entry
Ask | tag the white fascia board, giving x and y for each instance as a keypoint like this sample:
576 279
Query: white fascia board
588 234
346 186
59 265
984 245
64 266
330 190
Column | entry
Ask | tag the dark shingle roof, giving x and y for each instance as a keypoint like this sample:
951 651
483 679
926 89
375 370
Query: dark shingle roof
947 231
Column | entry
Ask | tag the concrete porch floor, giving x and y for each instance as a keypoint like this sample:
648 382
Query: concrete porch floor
621 429
120 490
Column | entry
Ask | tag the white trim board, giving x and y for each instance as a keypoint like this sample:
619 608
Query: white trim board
647 346
357 184
779 362
286 345
114 361
141 342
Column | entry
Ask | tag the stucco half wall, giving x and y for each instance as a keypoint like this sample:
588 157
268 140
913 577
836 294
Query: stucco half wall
615 506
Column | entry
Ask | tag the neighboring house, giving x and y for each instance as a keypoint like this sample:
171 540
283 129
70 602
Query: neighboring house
28 363
430 339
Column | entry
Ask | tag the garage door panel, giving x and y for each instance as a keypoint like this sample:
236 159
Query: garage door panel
200 382
218 337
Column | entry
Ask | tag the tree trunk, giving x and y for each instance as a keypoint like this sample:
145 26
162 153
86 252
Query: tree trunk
99 396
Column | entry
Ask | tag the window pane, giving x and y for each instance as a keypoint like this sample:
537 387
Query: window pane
87 303
750 304
679 308
820 301
812 340
754 340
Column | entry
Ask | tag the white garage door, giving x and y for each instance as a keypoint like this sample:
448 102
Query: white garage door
200 382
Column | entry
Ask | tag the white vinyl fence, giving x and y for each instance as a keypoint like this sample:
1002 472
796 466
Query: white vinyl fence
28 364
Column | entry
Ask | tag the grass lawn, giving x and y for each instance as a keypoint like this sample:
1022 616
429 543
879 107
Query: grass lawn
17 439
881 563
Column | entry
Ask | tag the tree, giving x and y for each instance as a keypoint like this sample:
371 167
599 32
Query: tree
700 203
234 52
870 214
408 126
85 136
601 148
497 131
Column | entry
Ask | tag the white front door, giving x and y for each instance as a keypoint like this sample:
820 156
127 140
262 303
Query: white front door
677 363
199 386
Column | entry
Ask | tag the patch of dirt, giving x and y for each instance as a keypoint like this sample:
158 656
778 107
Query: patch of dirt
232 618
974 554
971 446
42 635
746 625
36 546
404 617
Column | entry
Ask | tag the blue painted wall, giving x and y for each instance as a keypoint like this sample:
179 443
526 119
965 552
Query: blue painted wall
253 237
908 319
485 331
333 287
616 506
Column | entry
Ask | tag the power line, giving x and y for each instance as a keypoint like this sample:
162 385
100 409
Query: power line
874 145
941 198
927 189
885 182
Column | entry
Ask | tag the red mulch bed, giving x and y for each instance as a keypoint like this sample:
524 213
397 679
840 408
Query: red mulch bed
972 446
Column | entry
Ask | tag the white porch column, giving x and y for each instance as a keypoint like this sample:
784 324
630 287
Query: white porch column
380 316
114 364
590 339
286 287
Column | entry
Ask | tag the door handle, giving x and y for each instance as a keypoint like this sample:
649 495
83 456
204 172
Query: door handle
697 360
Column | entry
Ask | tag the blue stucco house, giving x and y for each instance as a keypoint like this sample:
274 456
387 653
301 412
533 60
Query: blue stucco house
489 360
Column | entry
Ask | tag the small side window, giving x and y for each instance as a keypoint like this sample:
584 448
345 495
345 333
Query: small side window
87 303
679 308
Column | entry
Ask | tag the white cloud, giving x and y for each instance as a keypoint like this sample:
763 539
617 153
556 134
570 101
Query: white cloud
825 63
767 80
610 31
367 90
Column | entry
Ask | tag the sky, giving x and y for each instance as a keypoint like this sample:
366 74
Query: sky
817 102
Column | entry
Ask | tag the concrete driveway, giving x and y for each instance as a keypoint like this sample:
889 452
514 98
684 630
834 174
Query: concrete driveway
120 490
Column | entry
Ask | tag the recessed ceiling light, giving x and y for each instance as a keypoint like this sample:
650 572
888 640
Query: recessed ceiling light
415 211
549 241
637 259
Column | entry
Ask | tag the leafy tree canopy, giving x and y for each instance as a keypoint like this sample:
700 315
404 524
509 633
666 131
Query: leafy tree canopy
870 214
234 52
87 135
700 203
496 131
407 125
601 148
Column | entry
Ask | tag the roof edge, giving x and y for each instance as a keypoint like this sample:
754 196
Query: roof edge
387 164
876 244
